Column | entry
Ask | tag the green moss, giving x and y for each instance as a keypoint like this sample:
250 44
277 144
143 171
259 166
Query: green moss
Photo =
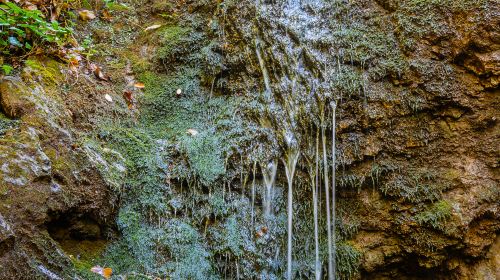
47 69
415 185
119 257
348 260
175 40
435 215
425 17
157 149
192 260
84 254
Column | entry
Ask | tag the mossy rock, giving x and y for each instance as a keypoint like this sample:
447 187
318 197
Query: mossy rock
14 97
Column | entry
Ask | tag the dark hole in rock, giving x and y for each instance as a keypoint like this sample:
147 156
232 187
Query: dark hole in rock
80 235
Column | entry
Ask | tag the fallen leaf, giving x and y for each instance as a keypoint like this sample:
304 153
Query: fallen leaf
192 132
31 7
153 27
129 99
108 97
86 15
264 229
261 232
106 15
107 272
139 85
98 72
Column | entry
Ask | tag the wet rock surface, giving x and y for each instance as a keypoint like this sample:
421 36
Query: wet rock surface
42 171
415 85
417 124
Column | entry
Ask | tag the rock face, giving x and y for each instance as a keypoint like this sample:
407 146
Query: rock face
12 95
44 175
415 85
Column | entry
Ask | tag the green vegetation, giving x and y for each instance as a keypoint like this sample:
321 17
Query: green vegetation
347 260
425 17
174 41
414 185
435 215
21 29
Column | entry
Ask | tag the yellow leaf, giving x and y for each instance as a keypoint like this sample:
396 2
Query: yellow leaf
139 85
106 272
86 15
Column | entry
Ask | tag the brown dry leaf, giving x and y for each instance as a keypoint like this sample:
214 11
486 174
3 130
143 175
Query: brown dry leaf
264 229
129 99
106 15
153 27
73 57
261 232
30 6
139 85
98 72
86 15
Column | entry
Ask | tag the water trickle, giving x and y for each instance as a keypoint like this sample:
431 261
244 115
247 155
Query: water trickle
262 64
312 158
291 157
269 174
314 185
334 107
334 264
253 193
331 272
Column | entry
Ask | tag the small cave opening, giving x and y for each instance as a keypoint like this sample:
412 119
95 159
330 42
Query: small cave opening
80 235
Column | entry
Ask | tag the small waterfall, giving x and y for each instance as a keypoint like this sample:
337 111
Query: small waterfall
269 174
291 157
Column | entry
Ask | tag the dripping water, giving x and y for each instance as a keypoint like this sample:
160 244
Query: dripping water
315 190
262 64
334 264
312 159
253 194
269 174
291 157
331 272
